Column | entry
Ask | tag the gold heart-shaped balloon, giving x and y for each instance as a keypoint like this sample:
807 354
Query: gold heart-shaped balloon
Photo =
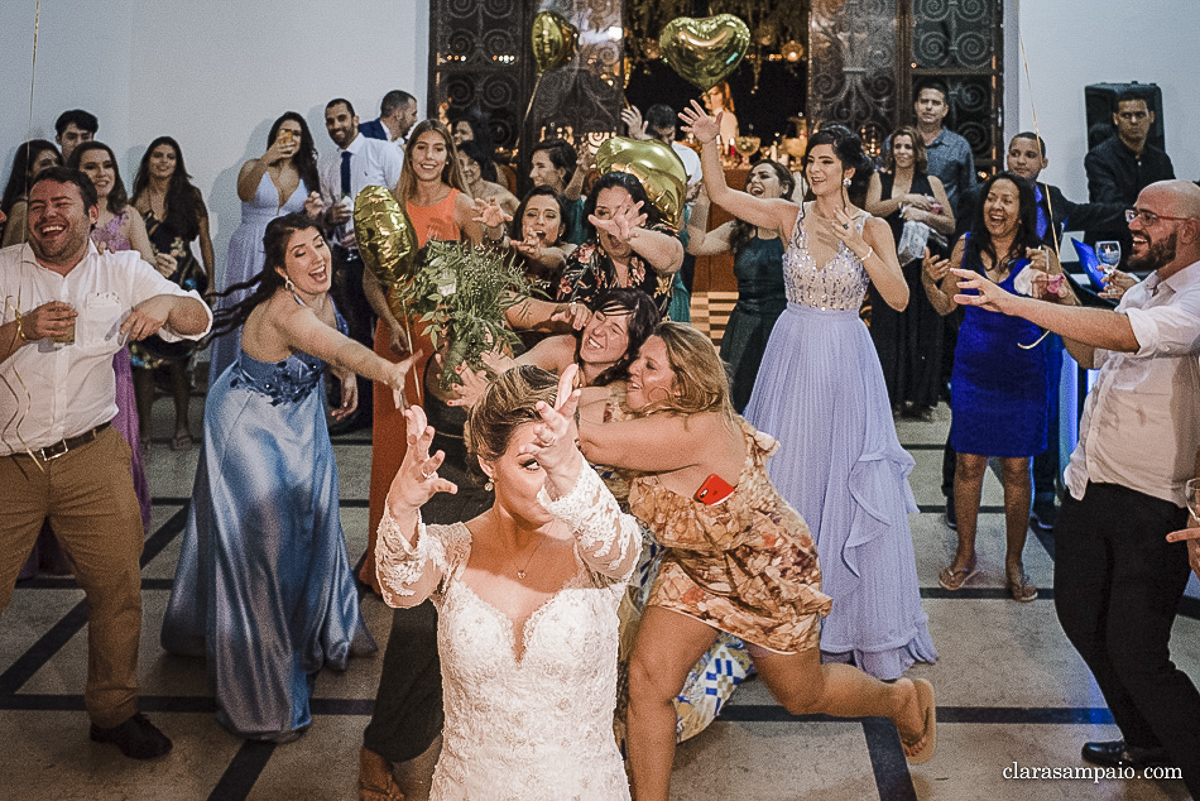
704 51
385 236
554 41
653 163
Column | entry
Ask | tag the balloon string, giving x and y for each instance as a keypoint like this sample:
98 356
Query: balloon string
8 302
1042 154
37 14
532 97
22 413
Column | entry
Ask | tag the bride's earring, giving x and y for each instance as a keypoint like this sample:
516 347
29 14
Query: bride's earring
289 286
488 485
845 182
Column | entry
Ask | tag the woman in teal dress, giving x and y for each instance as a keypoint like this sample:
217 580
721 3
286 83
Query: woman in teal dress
758 267
263 588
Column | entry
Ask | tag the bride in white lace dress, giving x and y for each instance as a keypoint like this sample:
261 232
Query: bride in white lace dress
527 596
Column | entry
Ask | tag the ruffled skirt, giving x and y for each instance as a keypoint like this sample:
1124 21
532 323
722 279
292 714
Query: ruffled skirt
820 392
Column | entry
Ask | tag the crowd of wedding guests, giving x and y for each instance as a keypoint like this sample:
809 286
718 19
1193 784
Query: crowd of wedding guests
617 500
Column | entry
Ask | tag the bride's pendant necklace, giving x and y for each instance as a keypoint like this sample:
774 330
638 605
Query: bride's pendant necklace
521 571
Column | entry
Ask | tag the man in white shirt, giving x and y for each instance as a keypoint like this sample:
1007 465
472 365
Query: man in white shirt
1117 580
359 161
67 310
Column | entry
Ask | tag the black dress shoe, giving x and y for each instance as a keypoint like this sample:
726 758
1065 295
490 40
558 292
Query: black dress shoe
951 513
1045 514
137 738
1115 754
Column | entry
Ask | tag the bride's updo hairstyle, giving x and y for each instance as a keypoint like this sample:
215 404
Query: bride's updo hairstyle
700 384
508 403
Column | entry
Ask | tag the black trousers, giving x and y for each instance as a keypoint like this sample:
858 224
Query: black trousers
348 294
1117 586
408 712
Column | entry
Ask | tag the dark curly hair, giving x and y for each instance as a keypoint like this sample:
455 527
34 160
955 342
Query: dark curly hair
643 318
631 185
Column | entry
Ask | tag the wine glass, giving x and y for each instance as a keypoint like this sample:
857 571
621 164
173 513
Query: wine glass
1192 493
747 146
1109 254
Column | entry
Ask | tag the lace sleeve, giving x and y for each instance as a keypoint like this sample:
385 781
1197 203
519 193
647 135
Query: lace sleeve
410 572
609 541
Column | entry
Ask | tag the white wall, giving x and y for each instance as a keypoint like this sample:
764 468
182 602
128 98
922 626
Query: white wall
214 75
1072 44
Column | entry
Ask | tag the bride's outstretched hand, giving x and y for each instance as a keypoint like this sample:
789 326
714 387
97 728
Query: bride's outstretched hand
417 480
701 125
555 438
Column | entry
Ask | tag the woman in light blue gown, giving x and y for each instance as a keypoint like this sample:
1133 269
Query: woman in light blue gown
282 181
263 588
820 392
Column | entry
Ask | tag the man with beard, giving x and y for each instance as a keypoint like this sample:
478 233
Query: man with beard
359 162
397 116
69 309
1117 580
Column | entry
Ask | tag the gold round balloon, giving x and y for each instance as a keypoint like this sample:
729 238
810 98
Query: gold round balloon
704 51
385 236
653 163
554 40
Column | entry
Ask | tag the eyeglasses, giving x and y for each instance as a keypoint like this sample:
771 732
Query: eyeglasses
1149 217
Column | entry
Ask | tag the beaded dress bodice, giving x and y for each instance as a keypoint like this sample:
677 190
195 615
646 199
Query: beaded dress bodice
840 284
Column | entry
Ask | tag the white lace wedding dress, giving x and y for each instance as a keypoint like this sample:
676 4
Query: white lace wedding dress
538 727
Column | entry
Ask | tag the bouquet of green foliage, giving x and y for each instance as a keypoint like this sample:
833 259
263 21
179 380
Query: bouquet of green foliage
463 291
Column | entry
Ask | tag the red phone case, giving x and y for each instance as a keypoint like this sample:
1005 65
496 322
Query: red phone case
714 490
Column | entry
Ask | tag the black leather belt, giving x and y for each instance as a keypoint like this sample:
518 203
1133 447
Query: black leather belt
69 444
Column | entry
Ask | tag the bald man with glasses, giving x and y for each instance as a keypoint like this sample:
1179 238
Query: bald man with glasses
1118 579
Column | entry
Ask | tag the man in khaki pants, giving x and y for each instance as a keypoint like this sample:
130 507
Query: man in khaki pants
67 309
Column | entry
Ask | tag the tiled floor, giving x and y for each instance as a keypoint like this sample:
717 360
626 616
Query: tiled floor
1010 688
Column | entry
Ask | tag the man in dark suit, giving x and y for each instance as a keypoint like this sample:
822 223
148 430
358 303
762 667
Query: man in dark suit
397 116
1123 165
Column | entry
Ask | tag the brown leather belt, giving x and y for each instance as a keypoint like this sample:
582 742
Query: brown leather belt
69 444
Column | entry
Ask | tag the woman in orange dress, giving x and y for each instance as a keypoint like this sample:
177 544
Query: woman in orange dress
435 196
408 716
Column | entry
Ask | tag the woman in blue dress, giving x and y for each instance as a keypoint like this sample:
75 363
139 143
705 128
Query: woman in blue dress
263 587
758 268
820 392
283 180
998 389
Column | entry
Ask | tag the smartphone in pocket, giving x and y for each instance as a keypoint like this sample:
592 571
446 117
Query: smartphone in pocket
714 490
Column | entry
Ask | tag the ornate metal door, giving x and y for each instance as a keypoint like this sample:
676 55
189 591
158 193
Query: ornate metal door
960 42
478 57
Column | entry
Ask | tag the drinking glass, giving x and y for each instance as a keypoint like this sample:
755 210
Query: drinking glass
1109 254
1192 490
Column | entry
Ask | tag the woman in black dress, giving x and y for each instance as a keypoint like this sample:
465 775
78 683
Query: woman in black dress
909 343
175 216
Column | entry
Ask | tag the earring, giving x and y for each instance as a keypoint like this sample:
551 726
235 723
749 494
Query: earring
845 182
289 286
488 485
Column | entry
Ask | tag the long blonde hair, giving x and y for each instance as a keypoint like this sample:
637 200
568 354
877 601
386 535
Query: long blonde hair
701 383
451 173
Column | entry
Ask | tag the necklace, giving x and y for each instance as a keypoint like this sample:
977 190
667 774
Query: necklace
521 571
